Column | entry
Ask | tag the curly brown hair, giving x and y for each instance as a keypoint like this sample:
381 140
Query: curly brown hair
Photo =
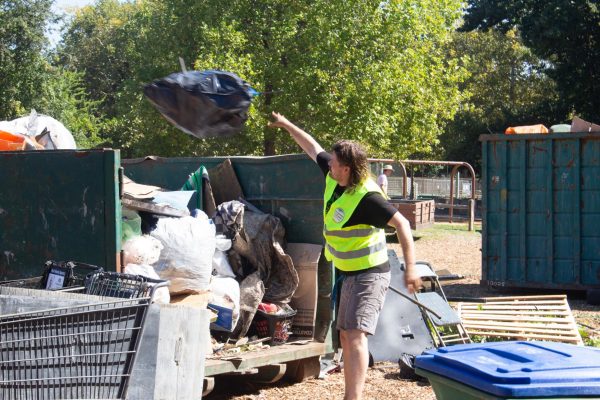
352 154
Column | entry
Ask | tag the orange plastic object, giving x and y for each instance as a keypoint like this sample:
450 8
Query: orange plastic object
528 129
10 142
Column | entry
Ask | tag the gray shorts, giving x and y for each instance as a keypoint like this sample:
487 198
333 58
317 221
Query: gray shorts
361 300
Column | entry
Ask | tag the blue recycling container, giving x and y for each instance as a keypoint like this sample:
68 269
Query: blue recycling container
512 370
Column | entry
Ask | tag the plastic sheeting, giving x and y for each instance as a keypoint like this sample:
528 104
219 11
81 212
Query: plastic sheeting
258 246
202 103
189 247
57 137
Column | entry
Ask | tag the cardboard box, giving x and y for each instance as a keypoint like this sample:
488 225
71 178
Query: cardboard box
305 257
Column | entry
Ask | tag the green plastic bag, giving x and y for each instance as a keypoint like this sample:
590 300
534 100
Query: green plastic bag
131 225
194 182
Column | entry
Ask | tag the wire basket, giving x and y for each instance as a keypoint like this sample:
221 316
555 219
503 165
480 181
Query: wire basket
57 275
80 352
114 284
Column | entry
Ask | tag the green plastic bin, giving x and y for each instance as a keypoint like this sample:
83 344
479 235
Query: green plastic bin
512 370
447 389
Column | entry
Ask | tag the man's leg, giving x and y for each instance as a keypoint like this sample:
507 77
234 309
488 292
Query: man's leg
356 361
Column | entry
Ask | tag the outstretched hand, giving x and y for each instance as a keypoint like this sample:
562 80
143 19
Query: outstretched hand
279 121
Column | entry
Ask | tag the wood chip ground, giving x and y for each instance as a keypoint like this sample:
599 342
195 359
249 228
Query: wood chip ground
446 246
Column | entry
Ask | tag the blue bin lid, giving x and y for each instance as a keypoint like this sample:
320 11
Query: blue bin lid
519 369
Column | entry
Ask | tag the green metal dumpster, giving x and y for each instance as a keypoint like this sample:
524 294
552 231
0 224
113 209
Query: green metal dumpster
65 205
541 211
61 205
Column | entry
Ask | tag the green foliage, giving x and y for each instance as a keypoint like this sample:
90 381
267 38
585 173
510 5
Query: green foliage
565 33
63 97
365 70
507 86
22 64
588 339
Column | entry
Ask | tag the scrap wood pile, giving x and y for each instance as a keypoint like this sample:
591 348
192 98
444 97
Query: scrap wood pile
521 318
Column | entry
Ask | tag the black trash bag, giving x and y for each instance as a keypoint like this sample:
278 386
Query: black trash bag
202 103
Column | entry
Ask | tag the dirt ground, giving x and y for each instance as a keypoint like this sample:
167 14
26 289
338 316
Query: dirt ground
445 246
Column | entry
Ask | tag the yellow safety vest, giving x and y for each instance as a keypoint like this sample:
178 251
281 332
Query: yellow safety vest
356 247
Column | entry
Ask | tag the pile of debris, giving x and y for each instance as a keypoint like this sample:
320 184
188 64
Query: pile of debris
218 251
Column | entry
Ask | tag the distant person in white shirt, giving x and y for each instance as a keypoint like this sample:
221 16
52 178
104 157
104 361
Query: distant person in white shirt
382 180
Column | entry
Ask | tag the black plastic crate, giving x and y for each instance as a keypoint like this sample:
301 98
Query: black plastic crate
276 326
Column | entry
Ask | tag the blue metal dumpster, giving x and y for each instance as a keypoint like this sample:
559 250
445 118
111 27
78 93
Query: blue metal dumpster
541 211
509 370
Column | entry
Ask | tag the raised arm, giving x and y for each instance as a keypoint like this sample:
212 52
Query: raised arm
304 140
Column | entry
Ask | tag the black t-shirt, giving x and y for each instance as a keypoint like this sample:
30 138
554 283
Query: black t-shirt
373 209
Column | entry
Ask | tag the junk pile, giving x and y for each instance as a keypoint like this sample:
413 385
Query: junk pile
577 125
218 251
34 132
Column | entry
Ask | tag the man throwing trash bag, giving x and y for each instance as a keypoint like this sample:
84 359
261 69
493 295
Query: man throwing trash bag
355 213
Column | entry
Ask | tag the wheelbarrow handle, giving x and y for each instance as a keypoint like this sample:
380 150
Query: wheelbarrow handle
393 289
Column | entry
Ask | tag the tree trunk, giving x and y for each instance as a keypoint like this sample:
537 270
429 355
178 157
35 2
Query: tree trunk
268 133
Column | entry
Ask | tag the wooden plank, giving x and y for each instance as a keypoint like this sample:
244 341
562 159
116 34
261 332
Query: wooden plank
527 336
549 304
535 317
523 308
520 327
524 314
465 318
526 298
273 355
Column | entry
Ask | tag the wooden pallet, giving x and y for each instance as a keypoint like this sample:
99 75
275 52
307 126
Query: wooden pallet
521 318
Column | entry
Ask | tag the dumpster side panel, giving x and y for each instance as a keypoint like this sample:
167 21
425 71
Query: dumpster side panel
541 210
58 205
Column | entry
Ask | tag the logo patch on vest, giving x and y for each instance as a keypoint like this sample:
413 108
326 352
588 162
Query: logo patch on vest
338 215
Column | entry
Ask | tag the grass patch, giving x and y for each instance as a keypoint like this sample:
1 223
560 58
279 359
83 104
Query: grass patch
440 230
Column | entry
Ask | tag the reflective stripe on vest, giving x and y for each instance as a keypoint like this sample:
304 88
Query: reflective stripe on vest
352 233
347 255
356 247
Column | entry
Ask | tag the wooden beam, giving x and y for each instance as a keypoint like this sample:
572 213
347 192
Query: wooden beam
273 355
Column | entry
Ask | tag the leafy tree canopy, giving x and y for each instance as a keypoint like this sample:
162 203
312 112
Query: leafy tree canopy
507 86
565 33
366 70
22 64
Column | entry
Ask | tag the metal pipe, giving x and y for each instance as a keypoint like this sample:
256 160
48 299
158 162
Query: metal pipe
393 289
456 164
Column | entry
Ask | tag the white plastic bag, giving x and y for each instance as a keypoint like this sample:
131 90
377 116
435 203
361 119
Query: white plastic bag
186 259
225 292
142 250
221 267
58 137
162 294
